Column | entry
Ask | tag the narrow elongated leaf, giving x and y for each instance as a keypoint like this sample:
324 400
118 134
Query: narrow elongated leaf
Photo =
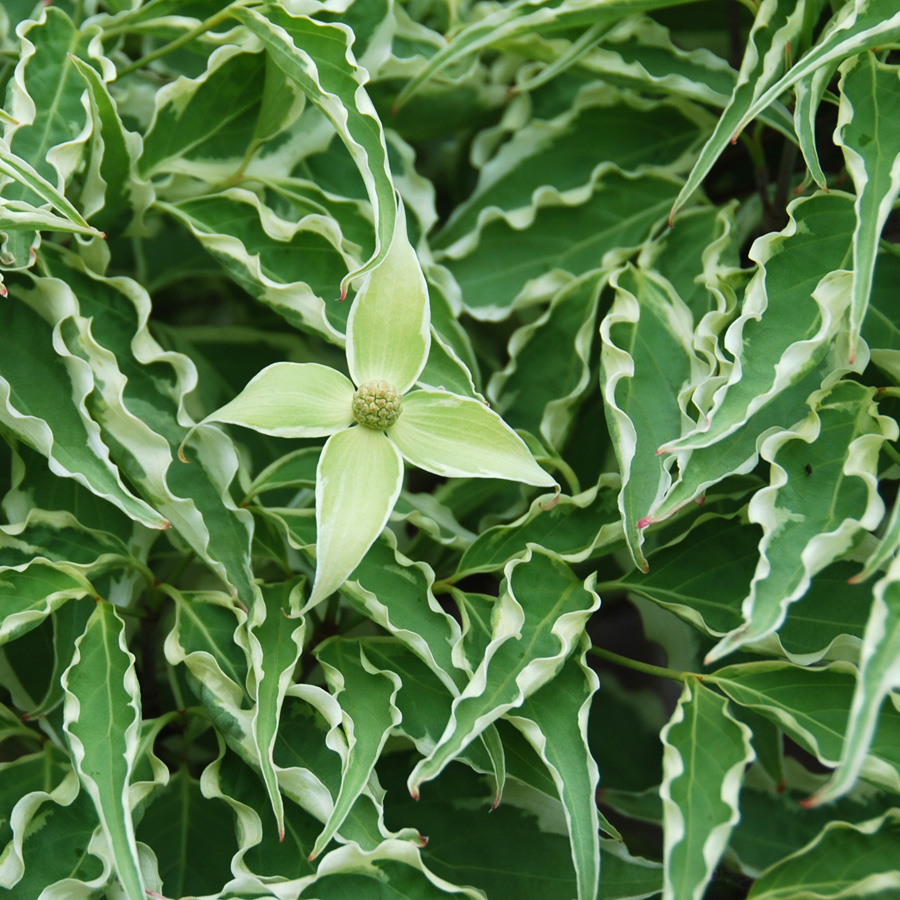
776 25
544 383
366 695
540 613
879 674
705 753
318 58
853 30
269 256
554 720
275 646
114 194
51 127
869 134
102 725
645 361
807 524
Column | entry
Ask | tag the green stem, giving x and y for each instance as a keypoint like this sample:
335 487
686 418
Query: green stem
186 38
891 452
647 668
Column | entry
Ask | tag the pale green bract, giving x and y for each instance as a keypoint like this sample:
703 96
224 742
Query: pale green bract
360 470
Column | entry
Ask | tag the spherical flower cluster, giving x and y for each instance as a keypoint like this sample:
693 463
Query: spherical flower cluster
377 404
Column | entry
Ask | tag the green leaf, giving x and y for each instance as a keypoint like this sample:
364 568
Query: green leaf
812 706
501 266
776 25
544 383
554 720
792 313
366 695
460 437
291 400
541 609
275 647
705 753
357 483
389 327
102 725
868 134
288 265
319 59
114 194
646 360
807 525
572 528
37 389
843 861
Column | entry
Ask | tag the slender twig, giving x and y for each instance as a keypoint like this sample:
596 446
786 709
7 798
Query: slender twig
638 666
186 38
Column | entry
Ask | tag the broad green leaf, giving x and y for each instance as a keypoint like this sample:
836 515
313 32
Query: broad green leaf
366 695
389 327
102 725
602 133
32 594
812 706
288 265
706 751
204 125
646 360
843 861
357 483
50 127
291 400
293 470
823 494
541 610
318 57
776 25
572 528
554 720
180 826
544 383
793 311
868 134
139 404
509 266
460 437
37 390
275 647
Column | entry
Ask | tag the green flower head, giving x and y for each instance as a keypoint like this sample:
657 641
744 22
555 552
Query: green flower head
379 419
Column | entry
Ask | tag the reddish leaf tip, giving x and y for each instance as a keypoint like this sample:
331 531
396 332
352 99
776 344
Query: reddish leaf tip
643 523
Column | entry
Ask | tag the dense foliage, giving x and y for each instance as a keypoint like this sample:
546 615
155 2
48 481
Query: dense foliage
645 643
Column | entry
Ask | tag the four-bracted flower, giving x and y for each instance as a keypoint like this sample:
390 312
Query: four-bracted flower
374 426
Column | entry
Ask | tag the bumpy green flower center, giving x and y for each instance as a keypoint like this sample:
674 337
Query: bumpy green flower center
376 404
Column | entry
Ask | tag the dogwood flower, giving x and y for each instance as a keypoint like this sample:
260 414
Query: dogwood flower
379 419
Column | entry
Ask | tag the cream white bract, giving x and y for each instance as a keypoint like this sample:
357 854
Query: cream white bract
378 419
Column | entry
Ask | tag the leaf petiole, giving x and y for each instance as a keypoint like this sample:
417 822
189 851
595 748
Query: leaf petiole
647 668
